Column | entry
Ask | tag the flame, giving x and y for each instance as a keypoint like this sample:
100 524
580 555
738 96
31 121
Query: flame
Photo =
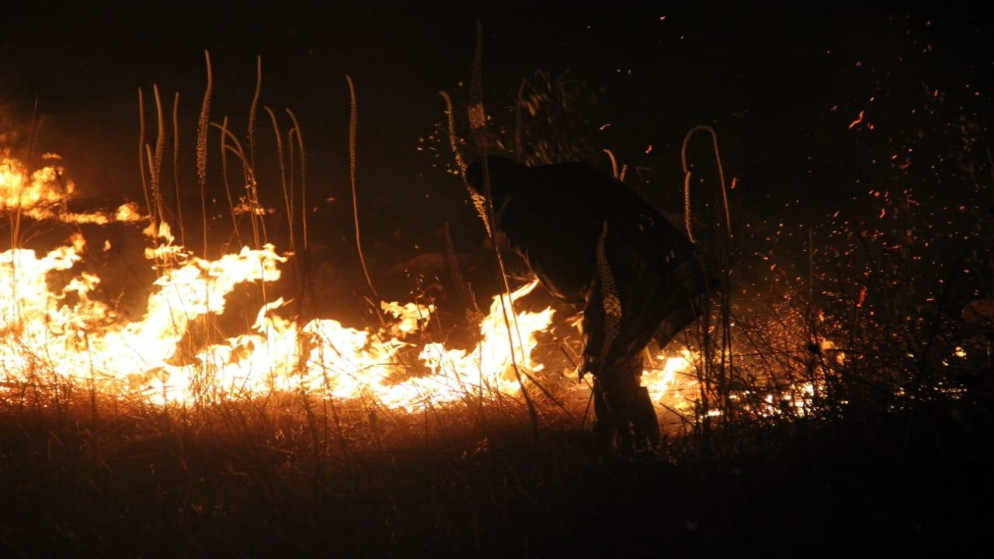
51 335
86 341
671 385
493 361
44 187
54 331
43 194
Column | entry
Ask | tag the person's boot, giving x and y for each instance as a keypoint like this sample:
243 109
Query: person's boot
644 420
607 421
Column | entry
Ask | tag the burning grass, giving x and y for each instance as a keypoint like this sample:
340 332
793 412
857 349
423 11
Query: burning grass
61 333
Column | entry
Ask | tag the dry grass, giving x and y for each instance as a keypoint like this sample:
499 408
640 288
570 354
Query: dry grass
251 478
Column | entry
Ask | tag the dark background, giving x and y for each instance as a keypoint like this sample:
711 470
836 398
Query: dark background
781 84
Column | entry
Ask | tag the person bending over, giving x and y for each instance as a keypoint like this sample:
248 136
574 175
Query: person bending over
594 242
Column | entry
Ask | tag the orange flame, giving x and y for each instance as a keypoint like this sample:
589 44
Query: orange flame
51 335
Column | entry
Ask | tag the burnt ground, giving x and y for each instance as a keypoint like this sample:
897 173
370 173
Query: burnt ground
145 484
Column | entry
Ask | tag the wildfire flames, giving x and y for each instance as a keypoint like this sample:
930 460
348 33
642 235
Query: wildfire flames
52 336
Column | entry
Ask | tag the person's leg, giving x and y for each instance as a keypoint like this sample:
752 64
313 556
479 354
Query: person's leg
606 421
598 331
628 403
619 321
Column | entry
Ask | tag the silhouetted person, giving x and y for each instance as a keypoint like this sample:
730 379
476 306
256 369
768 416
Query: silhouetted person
593 241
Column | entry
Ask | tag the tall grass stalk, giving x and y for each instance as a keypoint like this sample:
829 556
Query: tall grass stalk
716 366
478 128
141 148
227 183
450 120
296 133
202 127
353 156
253 111
284 180
230 144
687 175
160 148
176 176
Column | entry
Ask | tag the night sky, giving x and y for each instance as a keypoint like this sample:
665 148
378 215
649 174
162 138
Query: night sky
780 84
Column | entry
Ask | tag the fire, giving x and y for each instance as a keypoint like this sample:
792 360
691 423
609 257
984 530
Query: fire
55 332
68 336
43 194
46 336
52 335
42 188
672 382
492 362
